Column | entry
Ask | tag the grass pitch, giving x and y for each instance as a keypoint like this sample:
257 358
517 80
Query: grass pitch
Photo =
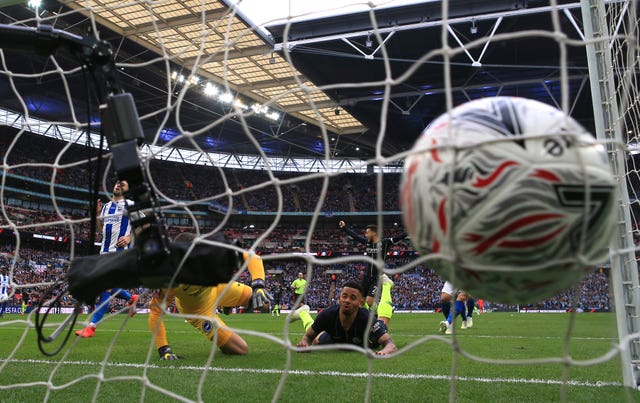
120 363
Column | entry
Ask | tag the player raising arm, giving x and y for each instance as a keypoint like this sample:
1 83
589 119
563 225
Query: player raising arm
345 323
375 247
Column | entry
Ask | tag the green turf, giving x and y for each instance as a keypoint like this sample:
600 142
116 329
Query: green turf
422 373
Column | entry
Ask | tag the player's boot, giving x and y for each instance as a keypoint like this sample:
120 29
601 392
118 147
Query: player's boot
295 315
384 279
87 332
449 329
464 324
132 304
443 326
469 322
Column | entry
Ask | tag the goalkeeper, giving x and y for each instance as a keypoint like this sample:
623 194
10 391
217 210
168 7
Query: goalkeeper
200 303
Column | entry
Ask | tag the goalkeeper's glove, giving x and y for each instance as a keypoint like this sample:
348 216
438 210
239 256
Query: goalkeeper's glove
167 354
260 296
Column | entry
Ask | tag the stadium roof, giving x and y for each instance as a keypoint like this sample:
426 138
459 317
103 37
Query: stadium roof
262 13
166 52
248 66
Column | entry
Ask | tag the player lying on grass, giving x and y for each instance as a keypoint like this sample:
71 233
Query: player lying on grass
200 304
345 323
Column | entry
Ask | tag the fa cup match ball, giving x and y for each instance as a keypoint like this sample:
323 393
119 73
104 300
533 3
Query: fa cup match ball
513 198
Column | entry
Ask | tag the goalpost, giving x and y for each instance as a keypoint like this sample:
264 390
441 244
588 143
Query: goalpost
611 43
612 51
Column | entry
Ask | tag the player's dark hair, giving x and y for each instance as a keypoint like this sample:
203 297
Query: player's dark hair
372 227
354 284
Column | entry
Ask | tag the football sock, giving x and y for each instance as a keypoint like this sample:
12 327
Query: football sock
120 293
101 307
471 304
450 316
103 303
446 308
305 317
461 309
385 307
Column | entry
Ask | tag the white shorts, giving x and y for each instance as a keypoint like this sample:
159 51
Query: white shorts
448 288
4 297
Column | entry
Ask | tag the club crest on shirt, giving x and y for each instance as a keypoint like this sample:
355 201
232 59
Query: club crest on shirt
207 326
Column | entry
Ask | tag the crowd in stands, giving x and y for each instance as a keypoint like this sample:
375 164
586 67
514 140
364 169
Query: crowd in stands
42 222
281 239
419 288
293 240
254 190
181 182
33 271
592 293
415 289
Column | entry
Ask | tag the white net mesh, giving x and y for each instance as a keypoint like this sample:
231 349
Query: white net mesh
620 20
182 48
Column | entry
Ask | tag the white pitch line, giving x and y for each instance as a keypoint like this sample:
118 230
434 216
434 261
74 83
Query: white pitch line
469 334
382 375
460 334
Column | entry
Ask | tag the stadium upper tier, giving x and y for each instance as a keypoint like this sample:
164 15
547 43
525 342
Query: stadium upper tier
48 225
35 161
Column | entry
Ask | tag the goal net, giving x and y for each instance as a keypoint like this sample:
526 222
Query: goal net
246 133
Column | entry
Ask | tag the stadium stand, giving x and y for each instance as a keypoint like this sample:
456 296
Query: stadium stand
27 204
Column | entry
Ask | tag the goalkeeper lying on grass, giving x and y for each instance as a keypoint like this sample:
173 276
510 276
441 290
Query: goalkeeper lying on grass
202 301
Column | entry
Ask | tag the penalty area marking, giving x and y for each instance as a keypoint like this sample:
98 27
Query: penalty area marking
381 375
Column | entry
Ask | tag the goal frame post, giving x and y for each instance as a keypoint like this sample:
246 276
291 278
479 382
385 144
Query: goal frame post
608 127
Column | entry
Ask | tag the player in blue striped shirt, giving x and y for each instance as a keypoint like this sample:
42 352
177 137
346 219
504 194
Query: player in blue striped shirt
116 236
4 289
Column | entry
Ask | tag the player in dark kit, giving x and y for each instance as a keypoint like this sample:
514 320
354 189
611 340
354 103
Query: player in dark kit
345 323
374 247
276 292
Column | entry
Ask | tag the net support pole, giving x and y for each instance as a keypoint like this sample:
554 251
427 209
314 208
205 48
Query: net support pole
608 126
